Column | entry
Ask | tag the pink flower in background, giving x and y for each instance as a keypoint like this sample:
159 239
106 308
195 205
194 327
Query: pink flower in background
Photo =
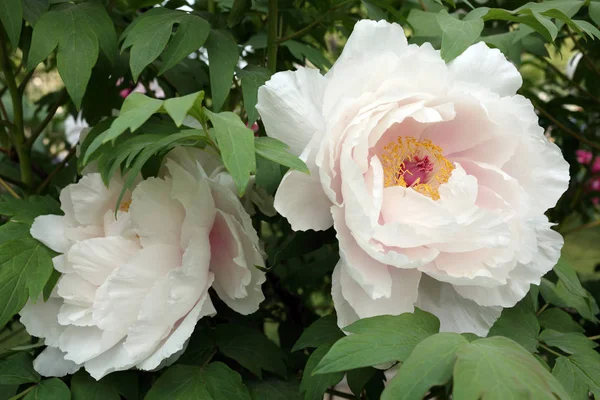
583 156
435 176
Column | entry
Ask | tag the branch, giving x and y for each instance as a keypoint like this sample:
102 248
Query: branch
25 81
51 112
56 170
9 189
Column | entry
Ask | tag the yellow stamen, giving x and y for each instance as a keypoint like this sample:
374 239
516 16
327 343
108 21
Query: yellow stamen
125 205
405 150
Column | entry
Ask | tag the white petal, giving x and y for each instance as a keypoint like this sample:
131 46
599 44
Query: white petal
228 202
345 313
51 362
119 299
50 230
290 107
371 275
157 217
121 225
300 199
480 65
74 314
82 343
40 319
405 284
90 199
189 157
76 289
456 314
95 259
114 359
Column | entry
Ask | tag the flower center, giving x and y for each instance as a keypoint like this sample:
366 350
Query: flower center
418 165
125 205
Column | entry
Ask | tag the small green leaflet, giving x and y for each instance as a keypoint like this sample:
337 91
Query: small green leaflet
252 77
79 31
378 340
457 35
17 370
594 10
223 56
49 389
571 342
11 14
236 143
216 381
322 331
571 378
498 369
149 36
314 385
84 387
277 151
559 320
520 324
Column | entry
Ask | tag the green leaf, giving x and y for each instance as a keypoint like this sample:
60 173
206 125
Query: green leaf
498 369
378 340
178 107
79 31
223 56
126 383
457 35
33 10
558 320
251 348
237 12
277 151
191 34
17 370
594 10
252 77
314 386
358 378
49 389
11 15
25 211
424 23
520 324
84 387
274 390
375 13
236 143
588 28
322 331
429 364
588 363
571 342
302 51
571 378
212 382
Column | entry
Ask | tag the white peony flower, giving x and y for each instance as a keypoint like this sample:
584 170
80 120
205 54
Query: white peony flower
435 176
133 288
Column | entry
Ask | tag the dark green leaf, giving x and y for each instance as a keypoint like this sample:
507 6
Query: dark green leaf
236 143
322 331
25 211
223 56
571 342
429 364
251 348
11 15
594 10
519 324
17 370
588 363
277 151
237 12
33 10
457 35
126 383
379 340
571 378
49 389
559 320
274 390
302 51
498 369
84 387
374 12
358 378
314 386
252 77
190 36
213 382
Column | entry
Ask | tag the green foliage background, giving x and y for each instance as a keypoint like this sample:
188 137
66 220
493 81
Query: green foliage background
63 58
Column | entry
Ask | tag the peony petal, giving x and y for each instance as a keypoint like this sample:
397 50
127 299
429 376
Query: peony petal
157 217
456 314
51 362
373 277
290 107
95 259
121 225
300 199
405 285
344 311
82 343
90 198
50 230
40 320
74 314
114 359
489 68
76 290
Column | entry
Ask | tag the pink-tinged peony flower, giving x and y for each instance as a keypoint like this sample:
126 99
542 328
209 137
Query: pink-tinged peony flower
596 165
133 287
435 176
583 156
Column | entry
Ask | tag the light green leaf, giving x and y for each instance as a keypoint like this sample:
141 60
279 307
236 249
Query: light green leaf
252 77
223 56
429 364
588 363
519 324
498 369
571 378
84 387
588 28
379 340
251 348
594 10
322 331
33 10
457 35
25 211
215 381
17 370
178 107
559 320
274 390
277 151
49 389
424 23
11 16
571 342
314 386
236 143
